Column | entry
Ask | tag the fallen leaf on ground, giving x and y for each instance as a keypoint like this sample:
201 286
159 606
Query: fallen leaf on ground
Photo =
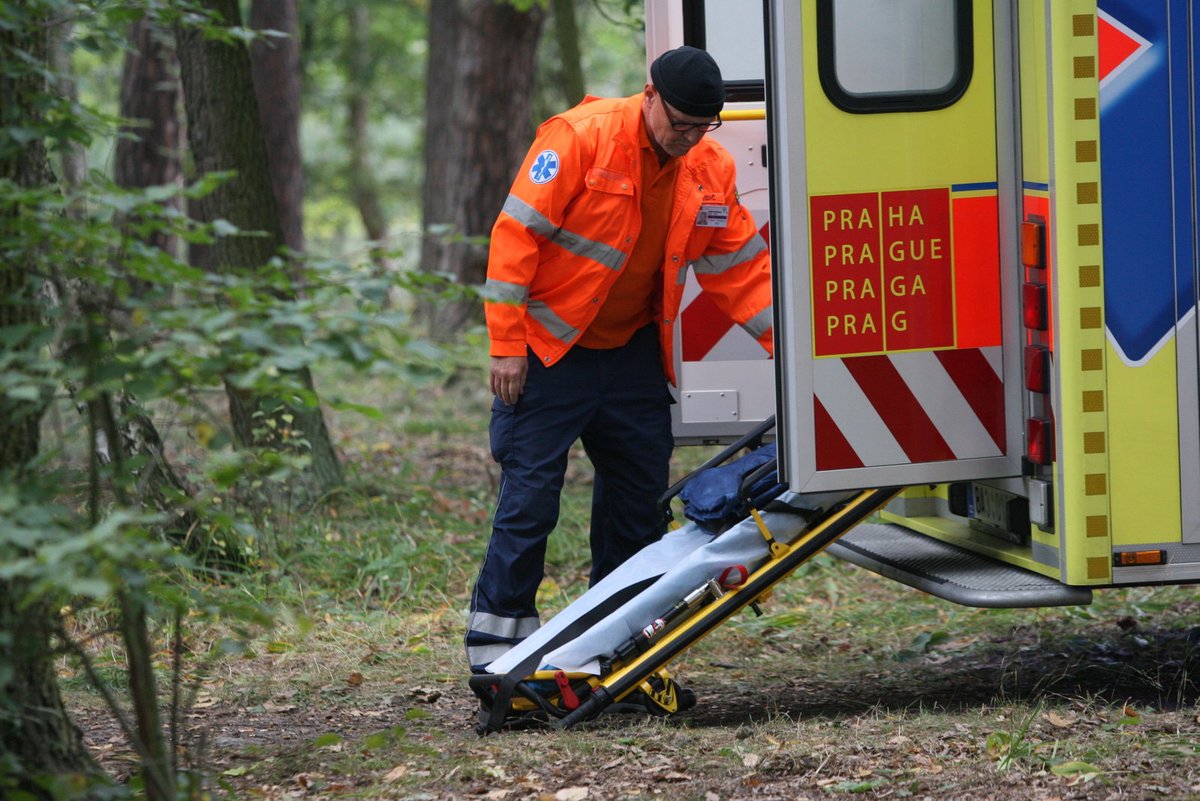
571 794
1059 720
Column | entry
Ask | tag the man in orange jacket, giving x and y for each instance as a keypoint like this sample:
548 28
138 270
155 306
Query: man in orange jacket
615 200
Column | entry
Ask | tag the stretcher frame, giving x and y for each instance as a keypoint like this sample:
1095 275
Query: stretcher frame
563 700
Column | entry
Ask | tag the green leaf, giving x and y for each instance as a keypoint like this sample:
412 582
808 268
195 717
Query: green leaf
23 136
859 787
1075 768
370 412
91 587
208 183
223 227
381 738
23 392
921 644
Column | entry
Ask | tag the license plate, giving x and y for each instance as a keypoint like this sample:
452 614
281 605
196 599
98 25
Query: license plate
991 509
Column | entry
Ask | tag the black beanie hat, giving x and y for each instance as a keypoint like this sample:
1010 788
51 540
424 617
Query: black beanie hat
689 80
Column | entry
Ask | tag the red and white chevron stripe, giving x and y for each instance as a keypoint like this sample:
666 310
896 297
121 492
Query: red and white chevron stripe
923 406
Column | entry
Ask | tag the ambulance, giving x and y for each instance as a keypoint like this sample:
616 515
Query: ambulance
986 385
982 216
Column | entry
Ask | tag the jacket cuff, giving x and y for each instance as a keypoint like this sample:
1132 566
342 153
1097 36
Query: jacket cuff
507 347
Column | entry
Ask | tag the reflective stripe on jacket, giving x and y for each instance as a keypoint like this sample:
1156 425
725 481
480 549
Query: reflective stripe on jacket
573 215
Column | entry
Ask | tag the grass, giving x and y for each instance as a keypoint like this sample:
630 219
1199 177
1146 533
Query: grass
849 685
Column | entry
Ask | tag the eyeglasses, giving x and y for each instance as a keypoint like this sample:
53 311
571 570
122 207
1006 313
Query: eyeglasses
686 127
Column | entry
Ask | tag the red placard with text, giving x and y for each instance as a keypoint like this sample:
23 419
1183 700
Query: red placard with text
917 273
846 264
882 272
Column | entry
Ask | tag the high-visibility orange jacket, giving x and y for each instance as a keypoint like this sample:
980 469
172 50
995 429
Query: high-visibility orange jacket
573 215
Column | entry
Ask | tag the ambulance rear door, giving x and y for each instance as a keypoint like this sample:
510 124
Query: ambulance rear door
894 229
726 380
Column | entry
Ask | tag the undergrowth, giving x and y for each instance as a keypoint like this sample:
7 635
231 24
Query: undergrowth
847 684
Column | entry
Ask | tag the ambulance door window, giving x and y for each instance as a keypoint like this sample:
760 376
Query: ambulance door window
732 31
884 55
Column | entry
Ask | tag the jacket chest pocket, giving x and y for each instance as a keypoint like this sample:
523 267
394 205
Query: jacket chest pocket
603 212
611 182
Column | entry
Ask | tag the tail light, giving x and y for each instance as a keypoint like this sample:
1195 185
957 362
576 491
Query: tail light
1033 306
1037 368
1039 439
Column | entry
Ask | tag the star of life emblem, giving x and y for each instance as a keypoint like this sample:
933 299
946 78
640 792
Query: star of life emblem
545 167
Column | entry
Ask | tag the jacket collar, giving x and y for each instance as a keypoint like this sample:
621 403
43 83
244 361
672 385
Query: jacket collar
696 159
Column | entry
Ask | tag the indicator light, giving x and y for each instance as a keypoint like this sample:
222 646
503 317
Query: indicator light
1032 252
1135 558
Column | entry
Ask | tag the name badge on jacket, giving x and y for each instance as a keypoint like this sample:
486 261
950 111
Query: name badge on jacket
712 216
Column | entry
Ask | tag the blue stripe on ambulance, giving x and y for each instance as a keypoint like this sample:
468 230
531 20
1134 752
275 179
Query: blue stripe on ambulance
1145 292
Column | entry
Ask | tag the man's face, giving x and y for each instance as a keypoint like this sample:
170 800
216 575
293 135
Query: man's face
663 124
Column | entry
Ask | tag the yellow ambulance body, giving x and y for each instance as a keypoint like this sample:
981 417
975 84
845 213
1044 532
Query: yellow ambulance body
982 216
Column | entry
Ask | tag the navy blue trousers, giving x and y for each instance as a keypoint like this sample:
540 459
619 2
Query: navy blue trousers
617 403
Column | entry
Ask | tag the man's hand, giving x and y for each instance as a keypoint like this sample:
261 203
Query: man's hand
508 377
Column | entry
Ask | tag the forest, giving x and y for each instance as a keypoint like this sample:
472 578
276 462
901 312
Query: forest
245 482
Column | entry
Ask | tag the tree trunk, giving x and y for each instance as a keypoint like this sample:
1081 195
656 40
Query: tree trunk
477 126
363 187
224 134
39 743
158 487
38 740
148 154
566 36
275 66
72 164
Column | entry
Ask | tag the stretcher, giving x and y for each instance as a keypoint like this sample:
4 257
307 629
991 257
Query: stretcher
610 648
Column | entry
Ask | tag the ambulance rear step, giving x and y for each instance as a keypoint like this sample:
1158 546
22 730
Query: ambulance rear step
950 572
